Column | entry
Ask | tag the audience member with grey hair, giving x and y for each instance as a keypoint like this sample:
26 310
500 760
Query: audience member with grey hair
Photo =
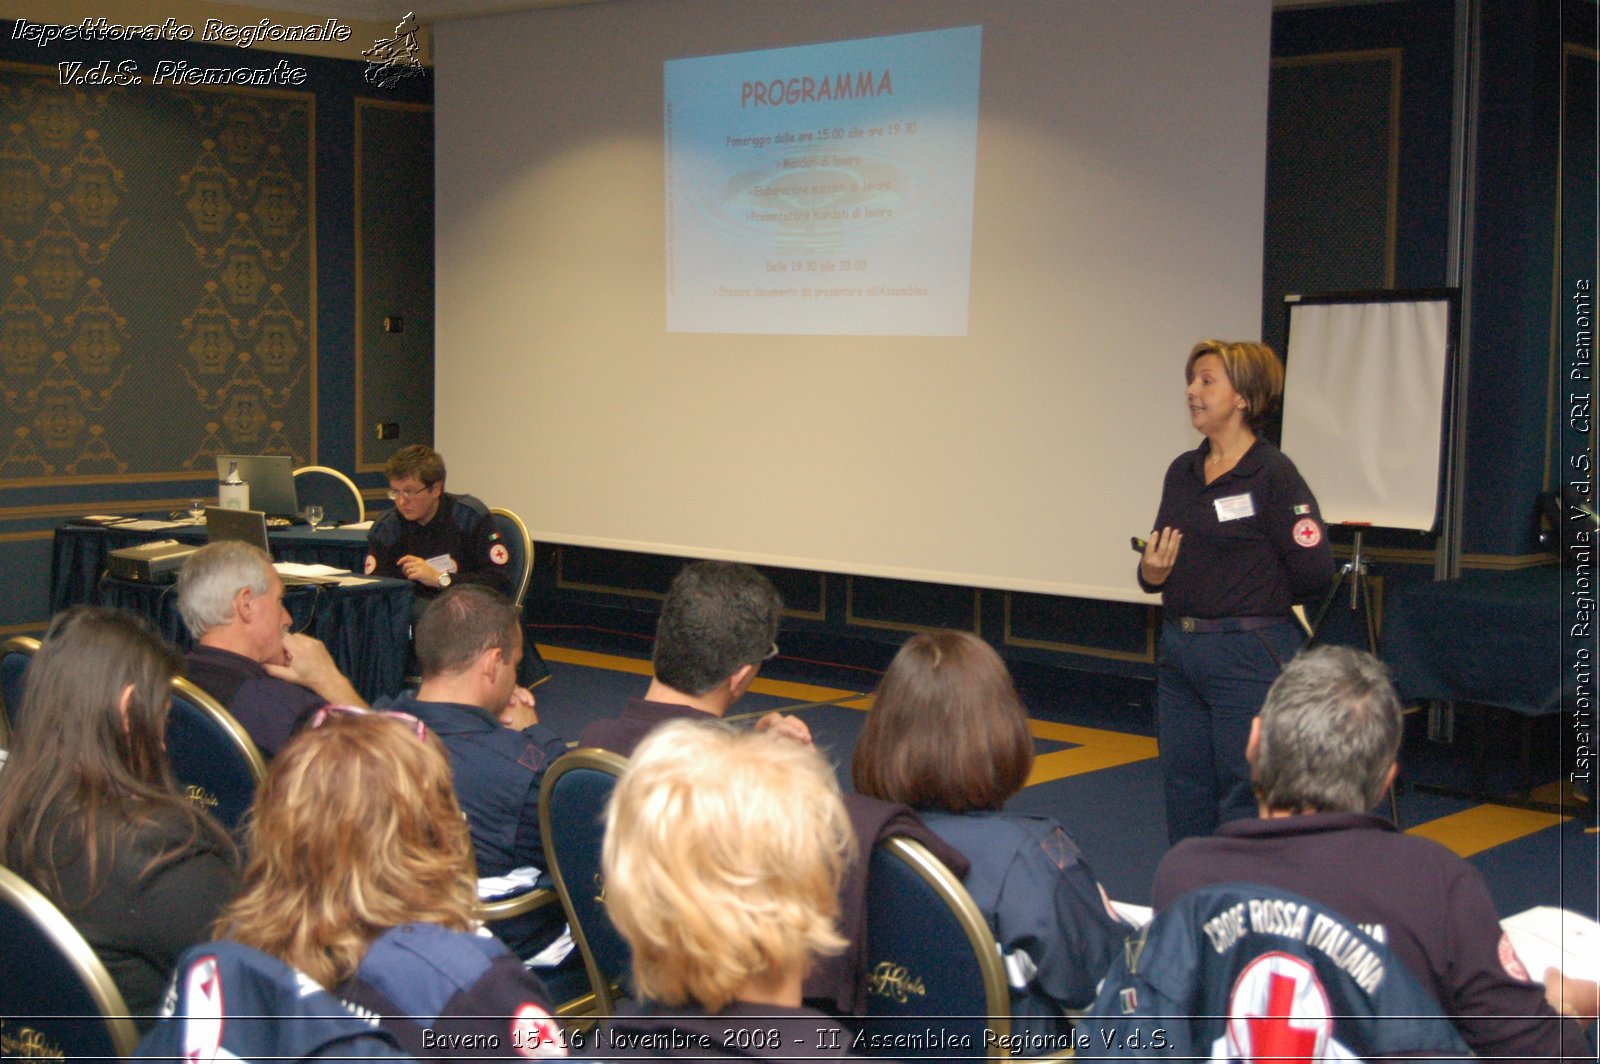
1322 753
245 657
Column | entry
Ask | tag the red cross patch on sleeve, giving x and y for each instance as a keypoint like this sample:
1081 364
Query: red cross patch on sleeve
1307 532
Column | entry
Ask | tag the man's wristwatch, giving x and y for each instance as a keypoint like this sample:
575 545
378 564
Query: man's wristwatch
444 580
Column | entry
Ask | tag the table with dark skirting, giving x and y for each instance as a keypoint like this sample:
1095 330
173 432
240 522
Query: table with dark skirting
367 627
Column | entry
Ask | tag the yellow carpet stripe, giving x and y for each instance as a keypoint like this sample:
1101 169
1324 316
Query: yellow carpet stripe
614 662
1484 827
1096 749
795 692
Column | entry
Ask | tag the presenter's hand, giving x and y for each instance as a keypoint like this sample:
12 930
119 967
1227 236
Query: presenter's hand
416 569
1160 554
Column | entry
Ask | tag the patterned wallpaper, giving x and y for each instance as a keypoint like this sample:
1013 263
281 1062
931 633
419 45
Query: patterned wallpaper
158 304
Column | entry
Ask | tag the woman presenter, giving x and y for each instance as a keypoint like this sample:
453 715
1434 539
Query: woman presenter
1238 540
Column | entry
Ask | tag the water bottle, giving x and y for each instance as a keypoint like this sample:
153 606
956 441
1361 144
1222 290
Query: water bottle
233 492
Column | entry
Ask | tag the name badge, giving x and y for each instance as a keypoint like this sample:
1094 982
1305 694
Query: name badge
1235 507
444 563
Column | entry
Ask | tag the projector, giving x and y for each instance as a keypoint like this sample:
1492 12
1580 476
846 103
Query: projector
149 563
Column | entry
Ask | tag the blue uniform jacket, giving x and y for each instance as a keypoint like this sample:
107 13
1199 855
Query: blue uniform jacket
1241 972
497 773
1056 933
232 1002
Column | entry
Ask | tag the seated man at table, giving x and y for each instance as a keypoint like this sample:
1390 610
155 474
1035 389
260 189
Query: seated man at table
432 537
468 644
1322 753
435 539
270 679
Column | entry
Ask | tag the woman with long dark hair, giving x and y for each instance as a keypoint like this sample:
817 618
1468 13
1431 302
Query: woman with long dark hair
89 812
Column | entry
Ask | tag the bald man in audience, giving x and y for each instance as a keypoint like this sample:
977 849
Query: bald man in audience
269 678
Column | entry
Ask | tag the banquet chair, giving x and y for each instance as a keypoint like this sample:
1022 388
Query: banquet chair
336 493
56 997
514 534
931 959
15 653
214 760
572 802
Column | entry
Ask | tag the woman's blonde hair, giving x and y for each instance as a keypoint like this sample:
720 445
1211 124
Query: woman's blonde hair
356 830
1253 369
722 860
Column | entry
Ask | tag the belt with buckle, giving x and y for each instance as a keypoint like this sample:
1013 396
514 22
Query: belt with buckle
1213 625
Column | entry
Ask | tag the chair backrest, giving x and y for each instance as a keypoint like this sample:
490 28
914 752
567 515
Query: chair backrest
56 997
213 758
336 493
572 803
15 653
931 959
514 534
1246 972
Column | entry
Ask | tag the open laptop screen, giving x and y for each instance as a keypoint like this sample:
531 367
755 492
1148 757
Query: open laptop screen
247 526
271 480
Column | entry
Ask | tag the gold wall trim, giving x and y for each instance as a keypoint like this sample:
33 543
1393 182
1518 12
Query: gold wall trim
1146 656
361 426
22 537
78 509
26 628
853 621
1392 208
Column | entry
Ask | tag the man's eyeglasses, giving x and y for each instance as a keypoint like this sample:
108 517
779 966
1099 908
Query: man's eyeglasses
771 653
331 710
395 496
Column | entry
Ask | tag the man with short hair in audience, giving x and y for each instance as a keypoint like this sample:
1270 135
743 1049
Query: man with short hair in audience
1322 753
718 625
469 642
245 657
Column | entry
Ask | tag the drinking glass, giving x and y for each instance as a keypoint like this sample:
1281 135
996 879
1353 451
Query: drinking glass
314 516
197 509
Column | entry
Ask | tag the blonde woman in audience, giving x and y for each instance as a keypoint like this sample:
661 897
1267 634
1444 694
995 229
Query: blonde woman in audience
722 859
947 735
89 812
361 877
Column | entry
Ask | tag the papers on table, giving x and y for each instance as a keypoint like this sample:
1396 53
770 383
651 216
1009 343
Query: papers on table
303 573
146 525
1548 937
357 526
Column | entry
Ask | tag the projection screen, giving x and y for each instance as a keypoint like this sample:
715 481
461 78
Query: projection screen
1105 216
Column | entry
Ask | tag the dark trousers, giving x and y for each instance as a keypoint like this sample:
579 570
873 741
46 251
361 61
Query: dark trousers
1209 686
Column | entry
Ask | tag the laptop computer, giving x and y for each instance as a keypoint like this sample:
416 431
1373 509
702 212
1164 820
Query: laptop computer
271 480
248 526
